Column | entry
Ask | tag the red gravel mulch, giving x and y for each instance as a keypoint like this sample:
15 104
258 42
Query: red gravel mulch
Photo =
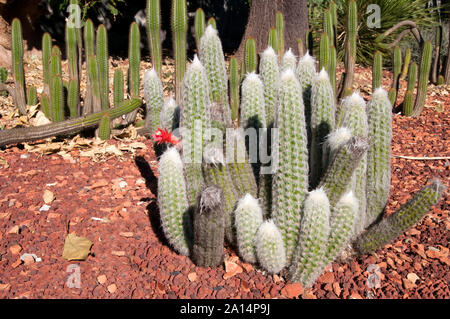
130 257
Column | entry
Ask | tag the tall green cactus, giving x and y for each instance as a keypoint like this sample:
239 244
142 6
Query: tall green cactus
153 24
3 78
31 95
322 123
17 66
332 69
134 58
250 57
179 33
377 70
72 52
272 39
392 226
209 222
268 69
118 87
379 154
406 64
212 22
103 65
397 70
279 25
309 256
57 98
412 77
424 73
195 120
248 219
350 48
104 128
55 62
199 26
270 250
234 80
95 83
46 54
290 182
306 71
324 61
89 50
73 98
172 201
154 98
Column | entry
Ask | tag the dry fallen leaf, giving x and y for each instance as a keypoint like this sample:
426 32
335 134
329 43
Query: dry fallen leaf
76 248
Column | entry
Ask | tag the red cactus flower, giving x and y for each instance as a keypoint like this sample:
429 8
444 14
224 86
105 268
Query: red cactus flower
163 136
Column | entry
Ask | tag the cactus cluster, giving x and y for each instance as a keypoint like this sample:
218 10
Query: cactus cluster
326 184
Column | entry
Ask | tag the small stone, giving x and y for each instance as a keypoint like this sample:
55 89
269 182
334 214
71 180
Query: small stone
126 234
327 277
15 249
231 269
5 287
192 276
17 263
355 295
292 290
337 288
112 288
101 279
44 208
28 259
119 253
123 184
100 183
412 277
48 196
14 230
408 284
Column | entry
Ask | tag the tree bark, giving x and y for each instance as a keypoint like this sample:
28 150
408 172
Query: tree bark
262 18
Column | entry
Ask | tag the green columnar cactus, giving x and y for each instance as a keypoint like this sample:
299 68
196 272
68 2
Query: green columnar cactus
322 123
289 60
73 98
272 40
279 25
153 24
397 70
340 171
3 78
334 20
342 221
424 72
253 113
118 87
350 50
238 163
168 114
328 26
134 58
408 103
333 142
27 134
377 70
95 83
308 259
154 98
248 219
268 69
209 223
324 61
76 14
17 66
55 62
250 57
332 69
235 81
290 182
441 80
172 202
179 31
57 99
306 70
212 22
270 249
355 118
199 26
104 128
412 77
213 60
46 54
406 64
195 121
103 65
89 50
72 52
45 105
392 226
379 154
31 96
301 47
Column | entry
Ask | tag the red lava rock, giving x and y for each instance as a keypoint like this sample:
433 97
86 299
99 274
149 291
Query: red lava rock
17 263
192 276
292 290
327 277
15 249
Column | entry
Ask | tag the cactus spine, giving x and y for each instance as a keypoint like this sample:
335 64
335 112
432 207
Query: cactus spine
377 70
424 73
154 98
268 69
103 65
179 30
392 226
199 26
248 219
309 256
234 80
17 66
270 249
379 154
209 228
118 87
172 201
153 24
322 123
288 199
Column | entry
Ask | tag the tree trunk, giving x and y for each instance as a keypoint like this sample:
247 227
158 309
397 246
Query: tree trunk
262 18
28 14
